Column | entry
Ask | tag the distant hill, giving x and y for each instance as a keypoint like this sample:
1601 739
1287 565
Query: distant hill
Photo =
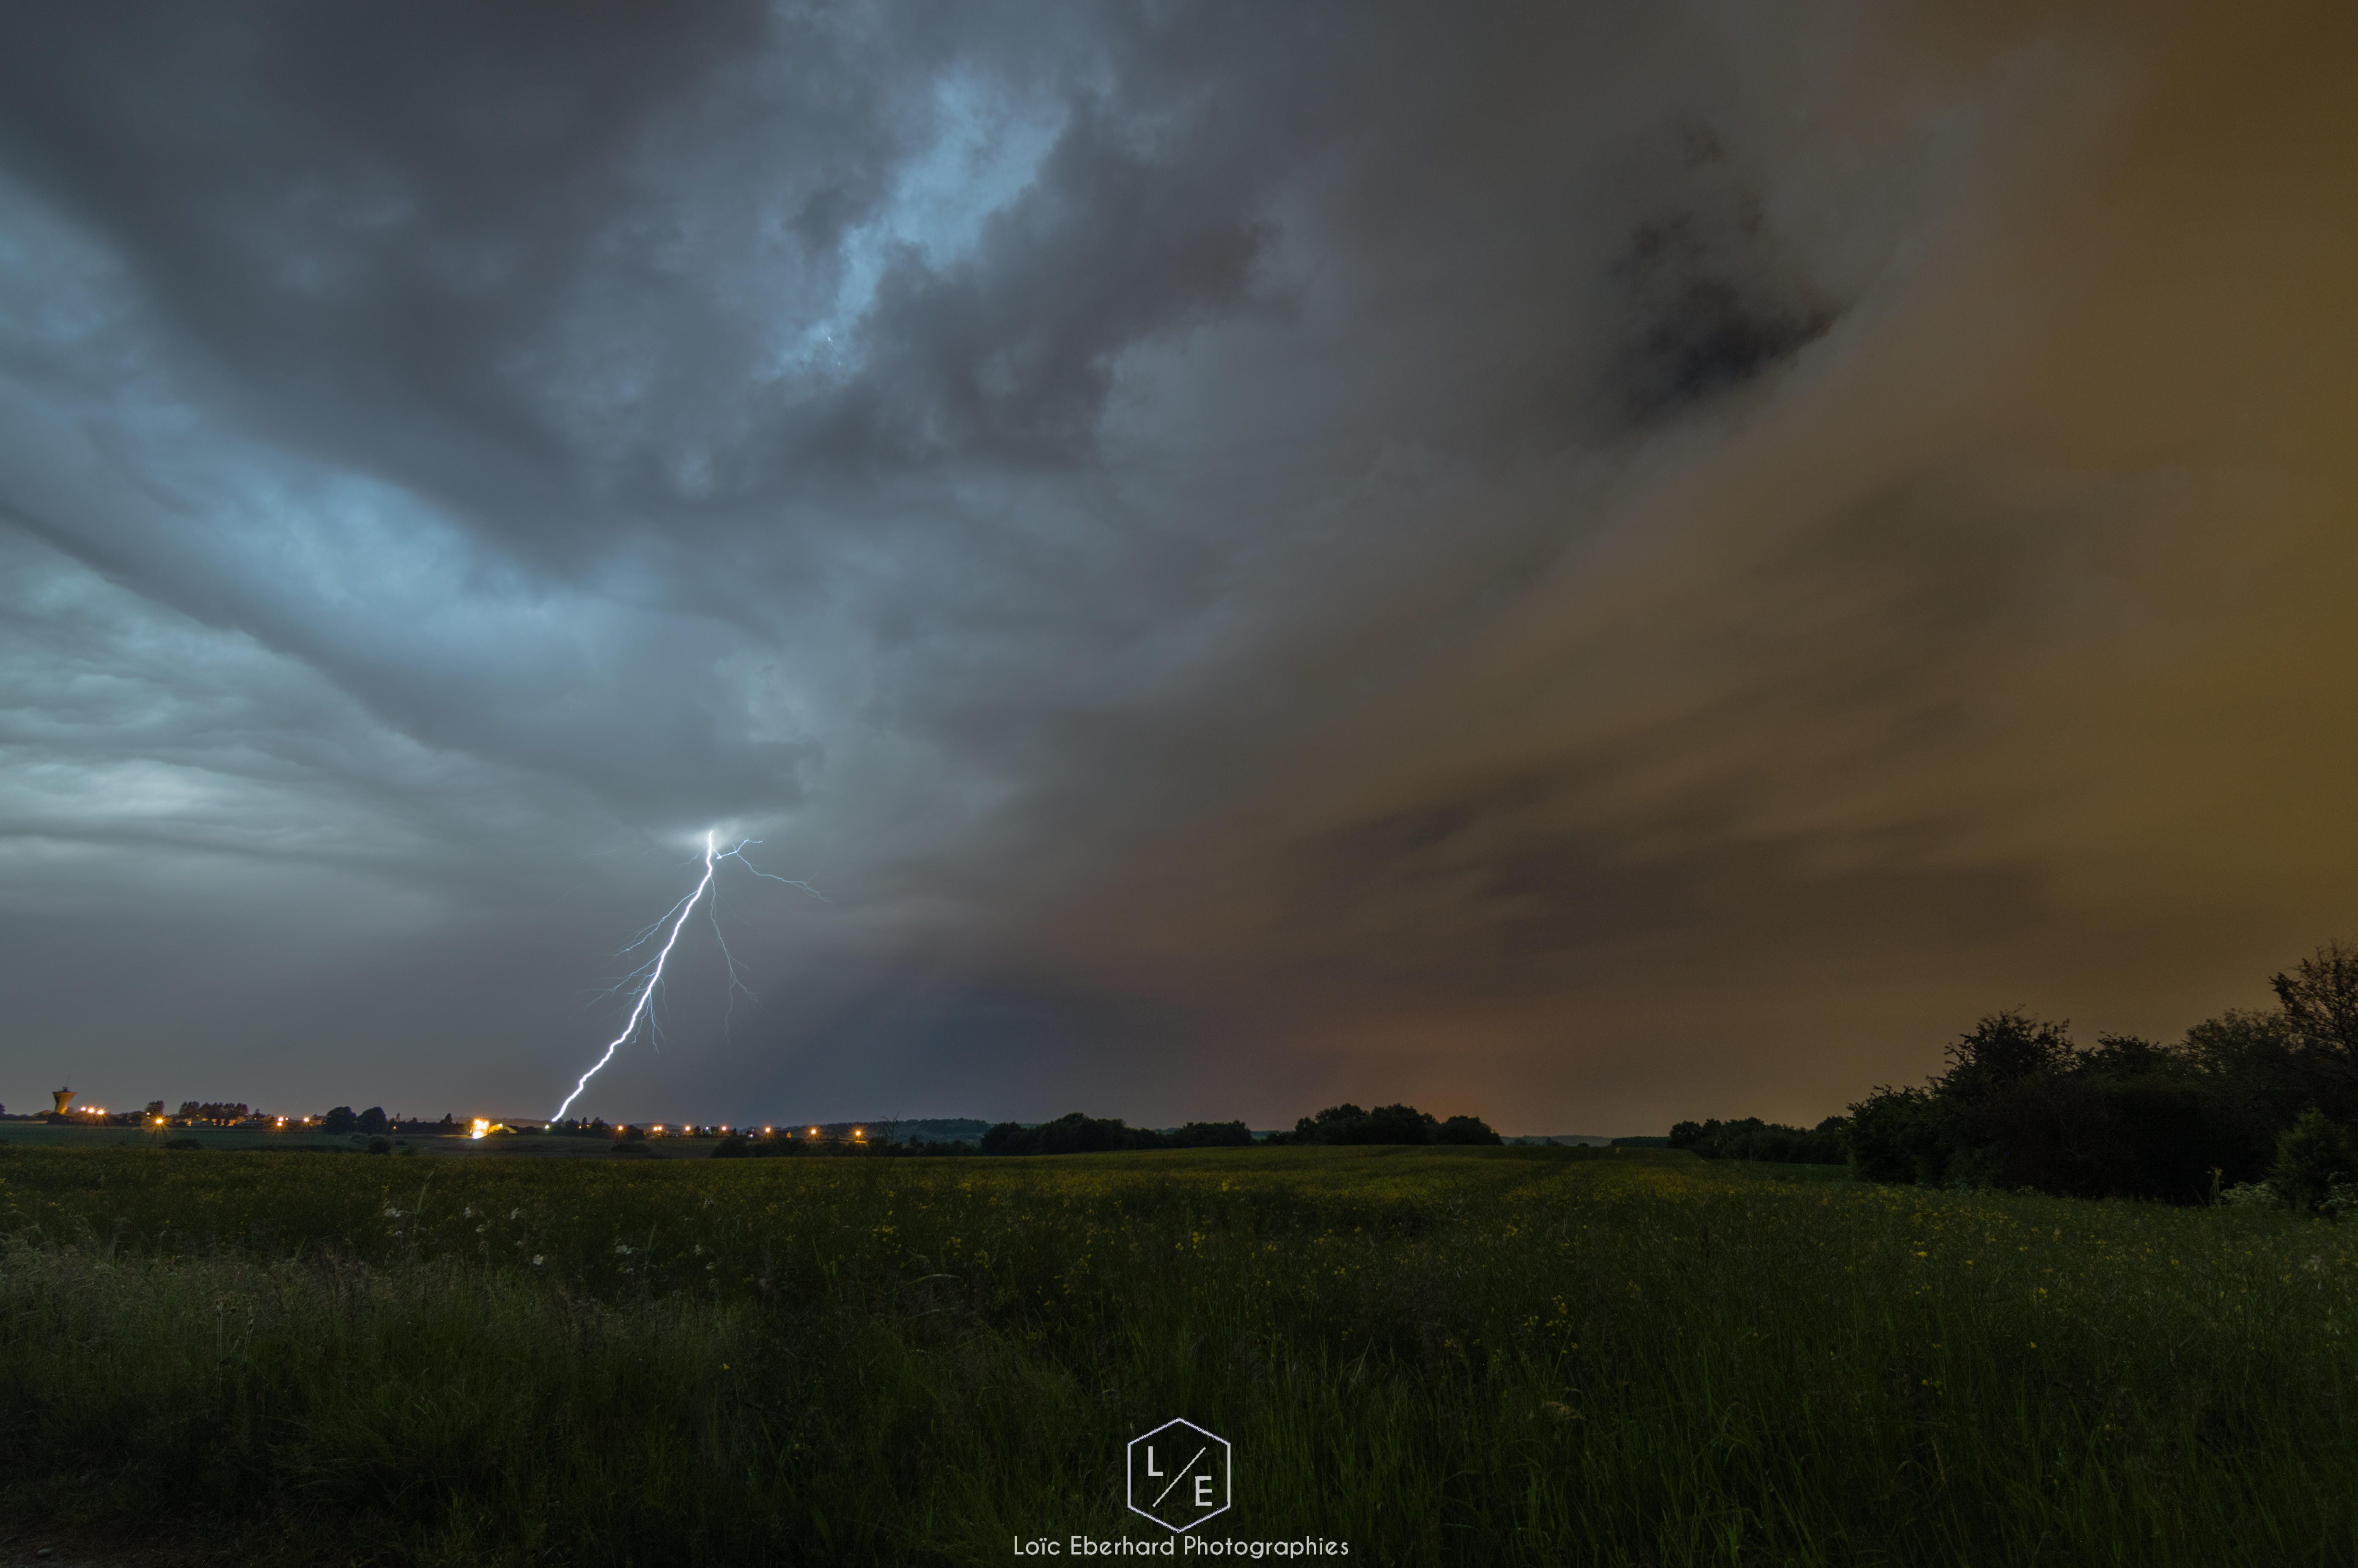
936 1130
1595 1138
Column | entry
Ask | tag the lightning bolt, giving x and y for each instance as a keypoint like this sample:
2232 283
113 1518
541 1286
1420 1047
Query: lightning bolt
678 916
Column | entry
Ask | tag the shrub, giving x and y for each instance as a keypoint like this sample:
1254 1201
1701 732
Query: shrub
1892 1135
2313 1157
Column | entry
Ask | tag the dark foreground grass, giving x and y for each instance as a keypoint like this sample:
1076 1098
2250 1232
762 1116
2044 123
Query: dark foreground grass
1512 1356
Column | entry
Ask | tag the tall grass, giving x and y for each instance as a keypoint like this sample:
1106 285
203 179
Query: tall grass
1516 1356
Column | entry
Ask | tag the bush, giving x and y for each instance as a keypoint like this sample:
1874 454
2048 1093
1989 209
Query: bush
1893 1137
731 1148
2021 1107
2313 1157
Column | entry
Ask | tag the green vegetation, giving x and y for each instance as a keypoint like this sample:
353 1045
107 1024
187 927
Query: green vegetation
1348 1124
1078 1134
1439 1354
1768 1141
2022 1105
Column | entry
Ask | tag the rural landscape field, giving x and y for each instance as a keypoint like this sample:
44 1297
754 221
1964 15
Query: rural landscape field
1482 1355
881 781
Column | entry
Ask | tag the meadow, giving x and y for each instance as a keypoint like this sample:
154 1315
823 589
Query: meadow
1541 1356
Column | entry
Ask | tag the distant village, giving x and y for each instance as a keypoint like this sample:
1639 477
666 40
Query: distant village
377 1122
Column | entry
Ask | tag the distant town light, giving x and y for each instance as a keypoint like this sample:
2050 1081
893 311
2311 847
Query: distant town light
477 1128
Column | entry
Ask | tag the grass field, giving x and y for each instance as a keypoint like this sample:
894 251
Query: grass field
1482 1356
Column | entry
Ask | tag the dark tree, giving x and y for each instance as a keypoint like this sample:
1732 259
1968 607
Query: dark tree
2127 1057
1466 1129
1895 1136
1398 1124
1336 1124
1210 1135
2319 999
2320 1002
1072 1134
372 1120
2021 1107
337 1121
1753 1139
2003 1050
1348 1124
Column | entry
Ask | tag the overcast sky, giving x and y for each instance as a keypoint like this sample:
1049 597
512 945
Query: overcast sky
1584 564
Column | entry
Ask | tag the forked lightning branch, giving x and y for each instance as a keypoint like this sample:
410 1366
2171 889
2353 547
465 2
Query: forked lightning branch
648 977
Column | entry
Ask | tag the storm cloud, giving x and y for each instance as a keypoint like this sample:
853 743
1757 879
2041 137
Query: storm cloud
1576 564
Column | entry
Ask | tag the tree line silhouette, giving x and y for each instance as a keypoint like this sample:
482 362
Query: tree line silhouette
2253 1104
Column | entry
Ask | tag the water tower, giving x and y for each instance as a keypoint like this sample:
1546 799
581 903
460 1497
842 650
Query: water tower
63 1097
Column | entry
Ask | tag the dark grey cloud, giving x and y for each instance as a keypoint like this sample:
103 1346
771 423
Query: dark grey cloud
1711 303
1594 561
